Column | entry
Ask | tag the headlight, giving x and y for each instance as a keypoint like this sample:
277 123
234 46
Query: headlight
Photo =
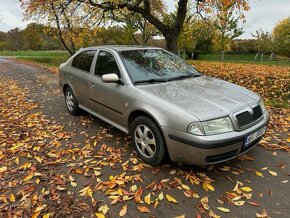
195 128
221 125
262 105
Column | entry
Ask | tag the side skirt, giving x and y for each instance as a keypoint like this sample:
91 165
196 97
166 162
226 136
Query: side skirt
123 129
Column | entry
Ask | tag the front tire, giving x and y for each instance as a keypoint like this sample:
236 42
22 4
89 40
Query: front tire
71 101
148 140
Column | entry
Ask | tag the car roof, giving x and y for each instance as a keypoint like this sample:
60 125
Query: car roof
121 47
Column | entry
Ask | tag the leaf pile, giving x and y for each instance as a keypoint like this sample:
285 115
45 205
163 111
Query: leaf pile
47 172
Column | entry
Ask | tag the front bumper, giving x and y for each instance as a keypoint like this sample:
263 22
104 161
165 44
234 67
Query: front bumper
204 150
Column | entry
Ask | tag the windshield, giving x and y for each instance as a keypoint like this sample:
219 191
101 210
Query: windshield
155 65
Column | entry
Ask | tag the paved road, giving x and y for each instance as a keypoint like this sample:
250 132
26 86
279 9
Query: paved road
269 192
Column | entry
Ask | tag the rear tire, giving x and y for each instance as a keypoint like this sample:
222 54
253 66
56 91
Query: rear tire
148 140
71 101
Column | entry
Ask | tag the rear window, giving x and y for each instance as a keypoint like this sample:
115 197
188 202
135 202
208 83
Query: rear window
84 60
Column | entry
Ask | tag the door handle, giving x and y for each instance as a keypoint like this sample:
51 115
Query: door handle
92 85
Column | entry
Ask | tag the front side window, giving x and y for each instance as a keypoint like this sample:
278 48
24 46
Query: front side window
106 64
84 60
155 65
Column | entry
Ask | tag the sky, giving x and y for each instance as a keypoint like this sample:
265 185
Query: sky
264 14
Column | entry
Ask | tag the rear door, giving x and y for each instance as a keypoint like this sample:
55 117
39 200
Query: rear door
79 75
107 99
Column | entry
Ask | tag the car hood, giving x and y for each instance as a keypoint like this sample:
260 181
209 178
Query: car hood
204 97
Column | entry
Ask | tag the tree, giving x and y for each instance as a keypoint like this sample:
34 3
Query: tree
71 19
264 43
196 36
32 36
171 31
15 39
281 34
227 23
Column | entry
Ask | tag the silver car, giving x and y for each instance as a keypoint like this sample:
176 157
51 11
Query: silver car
166 105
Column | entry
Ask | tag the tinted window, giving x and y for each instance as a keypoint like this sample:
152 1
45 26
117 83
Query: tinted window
84 60
106 64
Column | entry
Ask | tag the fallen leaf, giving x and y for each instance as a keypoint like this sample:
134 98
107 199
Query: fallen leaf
171 199
272 173
253 203
223 209
246 189
143 209
138 194
123 211
147 199
28 177
259 174
3 169
100 215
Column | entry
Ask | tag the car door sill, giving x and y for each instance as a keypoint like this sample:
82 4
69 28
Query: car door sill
104 119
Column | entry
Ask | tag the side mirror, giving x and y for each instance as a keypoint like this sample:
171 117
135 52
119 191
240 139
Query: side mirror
110 78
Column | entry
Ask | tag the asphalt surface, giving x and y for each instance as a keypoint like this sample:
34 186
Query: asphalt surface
269 192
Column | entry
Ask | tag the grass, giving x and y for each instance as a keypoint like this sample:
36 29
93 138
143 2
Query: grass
46 58
244 58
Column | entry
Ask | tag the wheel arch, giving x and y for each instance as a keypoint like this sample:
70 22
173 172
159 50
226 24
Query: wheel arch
136 113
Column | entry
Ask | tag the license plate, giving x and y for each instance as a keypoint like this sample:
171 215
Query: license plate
254 136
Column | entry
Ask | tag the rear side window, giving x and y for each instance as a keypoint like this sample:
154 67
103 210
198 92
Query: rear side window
106 64
84 60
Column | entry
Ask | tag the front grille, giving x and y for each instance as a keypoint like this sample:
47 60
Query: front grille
246 118
221 157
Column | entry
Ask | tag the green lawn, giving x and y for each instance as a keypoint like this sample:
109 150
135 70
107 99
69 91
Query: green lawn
47 58
244 58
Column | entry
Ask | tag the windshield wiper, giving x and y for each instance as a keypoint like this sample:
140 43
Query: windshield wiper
184 76
155 80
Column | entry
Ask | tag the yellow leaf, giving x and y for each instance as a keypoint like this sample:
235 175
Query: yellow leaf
288 140
100 215
156 203
147 199
246 189
25 166
123 211
3 169
133 188
186 187
181 216
40 208
104 209
37 181
35 215
259 173
161 196
223 209
39 159
171 199
12 198
47 215
239 203
272 173
28 177
206 186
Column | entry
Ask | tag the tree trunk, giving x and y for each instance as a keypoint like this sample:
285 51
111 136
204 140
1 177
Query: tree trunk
222 55
171 43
